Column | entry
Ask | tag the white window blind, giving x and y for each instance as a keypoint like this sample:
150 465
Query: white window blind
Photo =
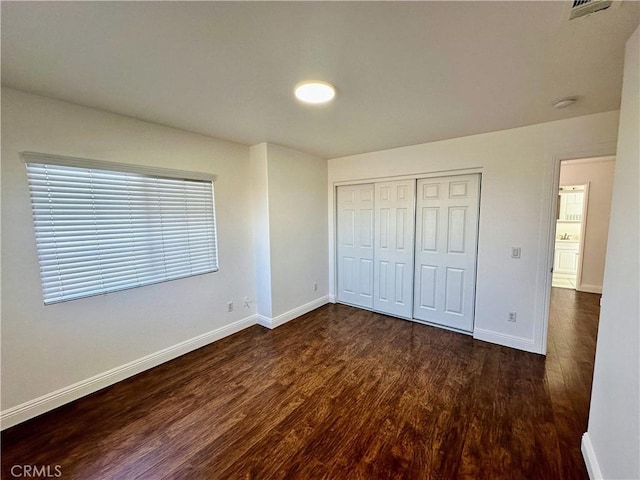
100 230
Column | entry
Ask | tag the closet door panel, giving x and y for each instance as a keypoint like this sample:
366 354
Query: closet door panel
355 244
394 247
446 245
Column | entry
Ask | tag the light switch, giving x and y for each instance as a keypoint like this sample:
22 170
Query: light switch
515 252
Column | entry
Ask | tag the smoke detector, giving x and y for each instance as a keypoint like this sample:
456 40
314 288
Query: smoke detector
564 102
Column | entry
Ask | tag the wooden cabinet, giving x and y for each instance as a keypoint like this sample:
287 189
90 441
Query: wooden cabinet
570 206
566 257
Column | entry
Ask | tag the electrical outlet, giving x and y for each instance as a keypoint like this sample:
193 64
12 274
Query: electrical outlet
229 306
245 302
512 317
315 287
516 252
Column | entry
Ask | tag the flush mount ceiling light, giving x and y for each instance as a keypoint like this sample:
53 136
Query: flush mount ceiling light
315 92
564 102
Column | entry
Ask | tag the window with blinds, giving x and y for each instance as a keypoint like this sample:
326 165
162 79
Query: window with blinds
103 227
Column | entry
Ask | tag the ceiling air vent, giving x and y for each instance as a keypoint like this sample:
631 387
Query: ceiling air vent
580 8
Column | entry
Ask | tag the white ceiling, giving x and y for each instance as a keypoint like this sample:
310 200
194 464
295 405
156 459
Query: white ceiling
405 72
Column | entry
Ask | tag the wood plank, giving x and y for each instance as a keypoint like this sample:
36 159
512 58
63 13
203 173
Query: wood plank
339 393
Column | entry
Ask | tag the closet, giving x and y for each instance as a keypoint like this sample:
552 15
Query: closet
408 248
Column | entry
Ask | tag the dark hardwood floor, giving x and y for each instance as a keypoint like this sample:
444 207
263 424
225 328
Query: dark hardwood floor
339 393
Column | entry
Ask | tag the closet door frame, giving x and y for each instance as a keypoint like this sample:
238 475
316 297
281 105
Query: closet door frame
333 226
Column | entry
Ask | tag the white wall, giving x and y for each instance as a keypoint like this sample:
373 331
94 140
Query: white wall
599 175
49 348
612 442
298 227
518 176
290 231
261 235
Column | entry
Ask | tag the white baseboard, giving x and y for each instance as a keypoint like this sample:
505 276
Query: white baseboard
332 299
45 403
291 314
264 321
505 340
589 288
590 460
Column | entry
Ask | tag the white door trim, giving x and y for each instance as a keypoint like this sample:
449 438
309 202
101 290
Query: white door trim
549 230
583 229
412 176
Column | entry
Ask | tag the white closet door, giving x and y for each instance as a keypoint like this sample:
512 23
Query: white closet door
446 249
355 244
393 251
